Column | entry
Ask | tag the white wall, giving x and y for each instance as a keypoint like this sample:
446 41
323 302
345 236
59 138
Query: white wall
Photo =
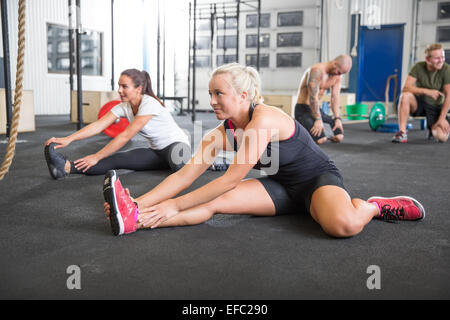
336 28
427 25
374 13
274 80
136 21
52 91
129 18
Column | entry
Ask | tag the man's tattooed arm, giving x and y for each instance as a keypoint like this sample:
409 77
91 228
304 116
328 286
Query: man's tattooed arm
313 91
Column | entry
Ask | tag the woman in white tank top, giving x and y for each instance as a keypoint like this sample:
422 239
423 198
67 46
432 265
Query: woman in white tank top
169 146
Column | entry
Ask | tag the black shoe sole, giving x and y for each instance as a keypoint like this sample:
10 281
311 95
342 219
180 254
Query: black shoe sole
108 194
50 166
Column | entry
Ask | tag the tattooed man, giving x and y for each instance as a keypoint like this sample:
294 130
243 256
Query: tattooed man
315 81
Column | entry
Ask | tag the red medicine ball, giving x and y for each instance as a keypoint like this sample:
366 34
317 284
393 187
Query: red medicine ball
116 128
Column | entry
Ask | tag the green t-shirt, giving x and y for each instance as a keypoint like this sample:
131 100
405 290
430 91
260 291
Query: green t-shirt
431 80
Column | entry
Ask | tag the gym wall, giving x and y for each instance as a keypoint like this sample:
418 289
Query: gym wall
433 25
52 90
277 79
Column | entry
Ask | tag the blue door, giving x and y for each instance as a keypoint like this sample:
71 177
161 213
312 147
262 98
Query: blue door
380 56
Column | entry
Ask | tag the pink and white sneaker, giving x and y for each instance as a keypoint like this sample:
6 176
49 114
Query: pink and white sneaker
123 211
398 208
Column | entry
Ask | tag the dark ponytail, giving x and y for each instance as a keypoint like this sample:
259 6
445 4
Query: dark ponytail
142 78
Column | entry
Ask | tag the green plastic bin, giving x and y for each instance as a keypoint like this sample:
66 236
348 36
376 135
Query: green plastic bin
357 111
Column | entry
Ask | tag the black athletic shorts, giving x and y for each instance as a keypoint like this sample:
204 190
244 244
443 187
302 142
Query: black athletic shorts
297 198
303 114
424 109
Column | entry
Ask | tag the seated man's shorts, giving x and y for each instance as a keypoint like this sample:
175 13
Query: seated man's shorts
432 113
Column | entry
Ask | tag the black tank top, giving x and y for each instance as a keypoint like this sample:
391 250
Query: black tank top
299 158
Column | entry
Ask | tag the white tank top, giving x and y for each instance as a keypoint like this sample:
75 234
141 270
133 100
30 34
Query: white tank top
161 130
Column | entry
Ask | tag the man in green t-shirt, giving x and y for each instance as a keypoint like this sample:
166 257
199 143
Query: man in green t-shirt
427 93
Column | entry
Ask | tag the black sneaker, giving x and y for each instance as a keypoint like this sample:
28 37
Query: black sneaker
55 162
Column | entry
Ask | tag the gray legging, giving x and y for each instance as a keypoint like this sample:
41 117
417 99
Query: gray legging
174 156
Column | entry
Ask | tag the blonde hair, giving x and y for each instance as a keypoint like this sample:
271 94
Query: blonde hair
430 48
243 79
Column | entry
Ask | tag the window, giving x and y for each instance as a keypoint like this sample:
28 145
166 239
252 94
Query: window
250 60
203 24
203 43
58 51
289 59
292 39
91 48
228 58
447 56
252 20
264 40
443 34
202 61
444 10
226 42
287 19
227 23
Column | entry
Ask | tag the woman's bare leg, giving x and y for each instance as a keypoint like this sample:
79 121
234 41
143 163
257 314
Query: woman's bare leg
338 214
249 197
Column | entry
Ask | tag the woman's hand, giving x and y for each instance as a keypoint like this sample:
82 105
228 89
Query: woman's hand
61 142
87 162
155 215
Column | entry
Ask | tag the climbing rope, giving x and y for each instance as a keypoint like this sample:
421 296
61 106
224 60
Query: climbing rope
17 95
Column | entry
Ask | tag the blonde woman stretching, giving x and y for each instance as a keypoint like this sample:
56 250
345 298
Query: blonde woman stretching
305 179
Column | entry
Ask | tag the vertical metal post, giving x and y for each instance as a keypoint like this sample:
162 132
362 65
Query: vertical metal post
158 49
238 7
194 58
164 55
189 63
224 34
79 73
258 35
112 46
71 53
413 58
71 49
6 67
212 11
321 29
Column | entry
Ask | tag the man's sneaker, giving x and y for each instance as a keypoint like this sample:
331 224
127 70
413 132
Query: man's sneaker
123 211
55 162
400 137
398 208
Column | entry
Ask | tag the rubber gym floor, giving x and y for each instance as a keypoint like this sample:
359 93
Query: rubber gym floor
46 226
